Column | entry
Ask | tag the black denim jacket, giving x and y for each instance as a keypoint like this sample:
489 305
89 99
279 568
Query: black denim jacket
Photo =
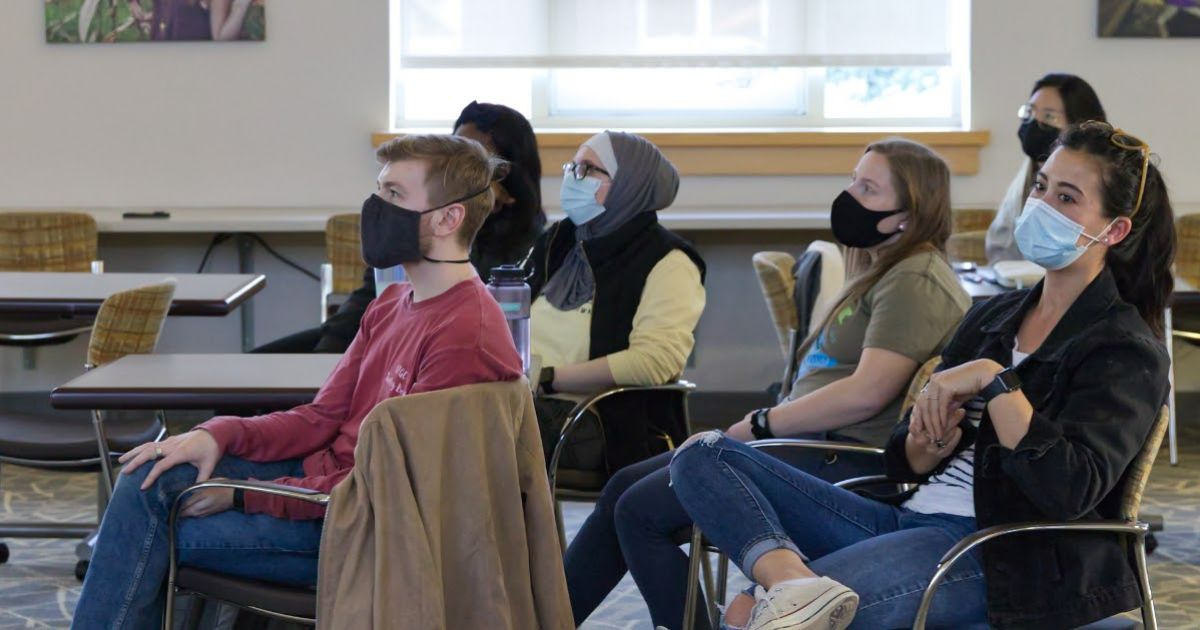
1096 385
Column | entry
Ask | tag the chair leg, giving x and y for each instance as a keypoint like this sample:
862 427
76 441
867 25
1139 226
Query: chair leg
102 448
722 580
1149 620
709 589
558 522
695 555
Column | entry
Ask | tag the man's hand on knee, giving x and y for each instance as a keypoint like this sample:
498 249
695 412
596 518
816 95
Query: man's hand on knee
207 501
196 447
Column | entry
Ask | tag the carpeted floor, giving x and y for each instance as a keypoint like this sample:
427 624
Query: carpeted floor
38 588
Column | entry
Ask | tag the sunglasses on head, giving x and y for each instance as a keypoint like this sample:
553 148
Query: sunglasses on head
1122 140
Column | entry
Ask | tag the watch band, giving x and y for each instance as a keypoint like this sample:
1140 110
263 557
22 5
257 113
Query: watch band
1005 382
760 425
239 499
546 380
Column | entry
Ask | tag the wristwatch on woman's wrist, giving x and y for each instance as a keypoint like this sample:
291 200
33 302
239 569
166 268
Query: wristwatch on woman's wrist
760 424
546 380
1005 382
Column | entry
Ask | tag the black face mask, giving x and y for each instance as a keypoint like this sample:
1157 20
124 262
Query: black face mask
391 234
856 226
1037 138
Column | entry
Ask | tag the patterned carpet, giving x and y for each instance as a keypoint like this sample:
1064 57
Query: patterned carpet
38 588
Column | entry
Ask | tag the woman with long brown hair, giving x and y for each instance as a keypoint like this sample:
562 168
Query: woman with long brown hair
901 303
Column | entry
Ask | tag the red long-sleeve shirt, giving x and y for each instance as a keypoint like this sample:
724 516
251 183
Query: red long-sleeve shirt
457 338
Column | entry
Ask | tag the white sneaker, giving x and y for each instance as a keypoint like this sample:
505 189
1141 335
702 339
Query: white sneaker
819 603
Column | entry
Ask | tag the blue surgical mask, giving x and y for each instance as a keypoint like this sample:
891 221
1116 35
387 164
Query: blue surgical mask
579 198
1046 237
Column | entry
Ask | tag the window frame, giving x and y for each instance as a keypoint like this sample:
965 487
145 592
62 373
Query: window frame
811 98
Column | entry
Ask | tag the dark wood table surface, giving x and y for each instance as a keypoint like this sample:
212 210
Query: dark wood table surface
67 294
198 381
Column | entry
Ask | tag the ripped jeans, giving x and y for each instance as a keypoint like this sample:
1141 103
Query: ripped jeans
749 503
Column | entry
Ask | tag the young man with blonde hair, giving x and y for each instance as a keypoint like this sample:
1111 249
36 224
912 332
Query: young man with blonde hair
440 330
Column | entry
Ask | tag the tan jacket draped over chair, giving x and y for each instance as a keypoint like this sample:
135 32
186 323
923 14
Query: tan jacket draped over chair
446 521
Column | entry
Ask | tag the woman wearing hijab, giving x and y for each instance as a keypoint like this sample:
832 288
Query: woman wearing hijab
616 298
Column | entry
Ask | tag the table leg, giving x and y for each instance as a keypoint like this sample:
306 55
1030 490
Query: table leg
1172 439
245 247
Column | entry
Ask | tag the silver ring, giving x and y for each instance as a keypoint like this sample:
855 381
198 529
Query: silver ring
939 444
157 452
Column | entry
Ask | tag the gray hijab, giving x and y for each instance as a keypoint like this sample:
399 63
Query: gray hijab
643 181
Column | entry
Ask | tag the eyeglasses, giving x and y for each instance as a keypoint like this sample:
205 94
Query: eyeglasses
1122 140
581 170
1026 111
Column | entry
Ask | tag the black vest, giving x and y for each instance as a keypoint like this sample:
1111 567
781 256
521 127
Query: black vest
635 425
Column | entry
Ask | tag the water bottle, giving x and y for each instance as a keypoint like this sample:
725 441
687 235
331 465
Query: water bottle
389 275
508 286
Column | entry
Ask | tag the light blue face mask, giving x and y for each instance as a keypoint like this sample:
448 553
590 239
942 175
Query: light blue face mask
1046 237
579 198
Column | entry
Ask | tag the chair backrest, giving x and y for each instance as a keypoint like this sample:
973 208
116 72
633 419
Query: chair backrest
774 271
776 278
918 381
343 248
968 235
971 219
129 322
47 241
1187 248
833 279
1139 469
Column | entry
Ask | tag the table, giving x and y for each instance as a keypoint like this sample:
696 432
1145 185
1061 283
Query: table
980 285
198 381
67 294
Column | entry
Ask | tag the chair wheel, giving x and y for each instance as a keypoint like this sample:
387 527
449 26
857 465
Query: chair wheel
3 553
81 568
1151 543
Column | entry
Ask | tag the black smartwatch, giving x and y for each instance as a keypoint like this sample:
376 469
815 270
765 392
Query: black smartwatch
546 380
759 424
239 499
1005 382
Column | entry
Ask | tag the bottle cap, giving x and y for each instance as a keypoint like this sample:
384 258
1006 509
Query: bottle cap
508 273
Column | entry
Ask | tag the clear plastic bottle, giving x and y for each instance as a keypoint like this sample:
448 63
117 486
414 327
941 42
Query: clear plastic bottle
390 275
507 285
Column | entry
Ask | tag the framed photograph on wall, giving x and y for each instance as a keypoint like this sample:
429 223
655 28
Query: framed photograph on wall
117 21
1149 18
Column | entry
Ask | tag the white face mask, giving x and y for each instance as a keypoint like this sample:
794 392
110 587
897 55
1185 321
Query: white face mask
1046 237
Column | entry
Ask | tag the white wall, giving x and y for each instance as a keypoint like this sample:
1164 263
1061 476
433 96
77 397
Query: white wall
286 123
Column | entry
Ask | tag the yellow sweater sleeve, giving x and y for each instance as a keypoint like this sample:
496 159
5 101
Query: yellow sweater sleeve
666 317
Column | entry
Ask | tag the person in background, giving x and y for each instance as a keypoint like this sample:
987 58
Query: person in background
192 20
1057 100
1044 398
901 303
616 299
506 236
438 331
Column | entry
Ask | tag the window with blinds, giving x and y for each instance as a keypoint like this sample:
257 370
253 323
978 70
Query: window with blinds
683 63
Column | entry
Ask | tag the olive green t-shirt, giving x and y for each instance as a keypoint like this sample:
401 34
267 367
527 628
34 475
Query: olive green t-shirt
912 310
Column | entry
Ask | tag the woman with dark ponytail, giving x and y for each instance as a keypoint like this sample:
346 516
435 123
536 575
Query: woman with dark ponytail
1044 398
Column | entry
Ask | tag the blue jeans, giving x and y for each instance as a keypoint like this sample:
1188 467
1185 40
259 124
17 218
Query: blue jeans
749 503
633 528
124 587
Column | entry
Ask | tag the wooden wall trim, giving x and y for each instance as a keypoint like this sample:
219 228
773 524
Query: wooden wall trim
716 153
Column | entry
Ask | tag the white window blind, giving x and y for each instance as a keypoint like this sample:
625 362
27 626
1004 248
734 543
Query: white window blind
681 62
